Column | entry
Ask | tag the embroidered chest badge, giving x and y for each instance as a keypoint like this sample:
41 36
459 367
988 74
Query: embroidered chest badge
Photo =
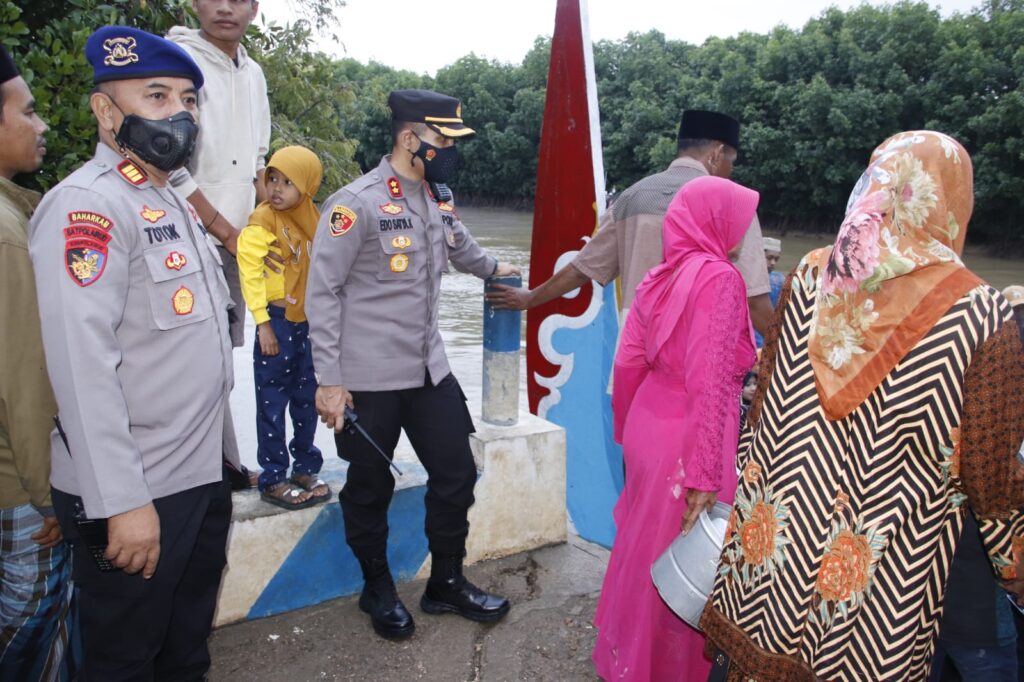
85 246
151 215
401 242
175 260
391 209
399 263
342 220
183 301
395 187
449 235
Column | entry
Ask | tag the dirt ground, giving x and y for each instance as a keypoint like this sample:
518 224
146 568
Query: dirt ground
547 636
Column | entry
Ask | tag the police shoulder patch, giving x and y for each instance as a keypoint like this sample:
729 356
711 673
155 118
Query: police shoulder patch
85 246
342 219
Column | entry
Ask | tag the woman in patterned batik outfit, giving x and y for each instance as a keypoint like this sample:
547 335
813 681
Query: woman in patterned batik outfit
889 406
685 348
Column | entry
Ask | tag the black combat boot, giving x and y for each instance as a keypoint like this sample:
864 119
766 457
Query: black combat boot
448 591
380 599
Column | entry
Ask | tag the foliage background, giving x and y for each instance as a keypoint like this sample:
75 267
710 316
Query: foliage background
814 102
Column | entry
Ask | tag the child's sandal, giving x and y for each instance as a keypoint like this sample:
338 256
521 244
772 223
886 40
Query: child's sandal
285 495
312 483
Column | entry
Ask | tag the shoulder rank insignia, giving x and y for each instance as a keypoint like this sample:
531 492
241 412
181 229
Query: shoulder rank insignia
151 215
183 301
395 187
342 220
445 206
391 209
132 173
85 246
399 262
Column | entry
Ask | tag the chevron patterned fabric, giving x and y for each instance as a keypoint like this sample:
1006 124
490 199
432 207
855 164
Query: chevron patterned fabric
843 531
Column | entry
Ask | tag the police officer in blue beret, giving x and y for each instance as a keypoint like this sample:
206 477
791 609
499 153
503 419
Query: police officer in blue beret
133 306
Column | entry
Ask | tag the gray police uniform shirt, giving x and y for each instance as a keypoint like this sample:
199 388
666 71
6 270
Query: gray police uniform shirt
375 281
133 307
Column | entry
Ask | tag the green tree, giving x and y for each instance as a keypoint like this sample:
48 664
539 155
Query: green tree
47 39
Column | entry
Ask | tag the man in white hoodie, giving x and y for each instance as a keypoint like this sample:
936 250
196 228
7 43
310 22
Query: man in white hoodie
224 179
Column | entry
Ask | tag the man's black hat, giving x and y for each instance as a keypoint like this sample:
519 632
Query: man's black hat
440 112
8 71
710 125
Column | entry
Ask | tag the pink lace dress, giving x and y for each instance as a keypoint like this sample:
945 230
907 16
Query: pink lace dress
676 417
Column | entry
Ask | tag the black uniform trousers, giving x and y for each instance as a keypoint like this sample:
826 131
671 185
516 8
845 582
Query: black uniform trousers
438 424
156 629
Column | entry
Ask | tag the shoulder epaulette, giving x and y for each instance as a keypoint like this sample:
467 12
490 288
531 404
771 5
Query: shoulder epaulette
87 174
363 182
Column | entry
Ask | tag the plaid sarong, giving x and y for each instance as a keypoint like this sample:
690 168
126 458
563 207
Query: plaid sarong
35 602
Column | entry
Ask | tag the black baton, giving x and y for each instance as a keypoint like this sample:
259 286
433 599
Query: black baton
352 424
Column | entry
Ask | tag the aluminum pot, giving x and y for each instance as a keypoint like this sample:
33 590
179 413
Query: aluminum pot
685 573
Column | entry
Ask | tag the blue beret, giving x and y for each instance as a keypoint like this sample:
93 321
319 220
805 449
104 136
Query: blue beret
120 53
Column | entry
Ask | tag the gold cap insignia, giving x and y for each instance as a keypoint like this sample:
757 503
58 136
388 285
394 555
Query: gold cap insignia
120 51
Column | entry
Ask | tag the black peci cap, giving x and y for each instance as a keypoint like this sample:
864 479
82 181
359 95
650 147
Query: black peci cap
8 71
441 112
710 125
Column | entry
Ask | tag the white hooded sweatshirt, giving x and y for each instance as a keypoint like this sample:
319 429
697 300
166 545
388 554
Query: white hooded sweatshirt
234 128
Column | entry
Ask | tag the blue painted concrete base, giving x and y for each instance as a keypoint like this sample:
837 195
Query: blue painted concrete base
322 567
279 560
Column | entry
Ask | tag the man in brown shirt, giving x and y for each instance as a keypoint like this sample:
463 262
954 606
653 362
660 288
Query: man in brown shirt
34 561
628 241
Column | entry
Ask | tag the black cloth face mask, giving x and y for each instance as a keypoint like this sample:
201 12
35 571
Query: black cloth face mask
165 143
439 163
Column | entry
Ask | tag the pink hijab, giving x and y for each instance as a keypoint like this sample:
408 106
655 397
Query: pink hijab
707 218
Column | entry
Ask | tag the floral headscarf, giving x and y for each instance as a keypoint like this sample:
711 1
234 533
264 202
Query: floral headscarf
895 267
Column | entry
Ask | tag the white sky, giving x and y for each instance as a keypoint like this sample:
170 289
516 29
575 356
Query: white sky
423 36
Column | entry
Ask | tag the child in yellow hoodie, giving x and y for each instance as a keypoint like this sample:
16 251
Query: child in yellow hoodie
282 357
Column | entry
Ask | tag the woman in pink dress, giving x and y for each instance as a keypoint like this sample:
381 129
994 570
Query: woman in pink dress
685 349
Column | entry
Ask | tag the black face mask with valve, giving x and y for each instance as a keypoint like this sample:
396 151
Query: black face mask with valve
439 165
165 143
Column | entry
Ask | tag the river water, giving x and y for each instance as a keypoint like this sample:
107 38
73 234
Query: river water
506 235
